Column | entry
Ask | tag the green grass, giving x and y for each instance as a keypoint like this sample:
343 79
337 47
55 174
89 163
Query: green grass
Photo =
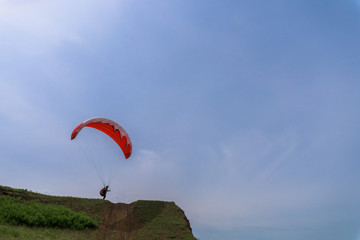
34 214
161 220
10 232
94 208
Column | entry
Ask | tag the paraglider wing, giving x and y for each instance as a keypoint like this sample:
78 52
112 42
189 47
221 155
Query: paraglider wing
110 128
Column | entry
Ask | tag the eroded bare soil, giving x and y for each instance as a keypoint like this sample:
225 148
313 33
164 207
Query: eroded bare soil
116 224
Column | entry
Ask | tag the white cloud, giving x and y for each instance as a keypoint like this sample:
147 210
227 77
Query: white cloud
149 175
23 123
13 105
242 184
34 26
259 206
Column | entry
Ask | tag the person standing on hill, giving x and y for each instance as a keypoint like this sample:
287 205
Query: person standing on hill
103 191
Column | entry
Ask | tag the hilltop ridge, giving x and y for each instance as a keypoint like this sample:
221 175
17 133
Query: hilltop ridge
116 221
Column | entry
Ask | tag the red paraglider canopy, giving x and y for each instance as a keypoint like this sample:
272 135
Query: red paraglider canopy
110 128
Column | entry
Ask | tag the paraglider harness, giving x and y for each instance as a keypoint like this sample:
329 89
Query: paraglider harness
103 191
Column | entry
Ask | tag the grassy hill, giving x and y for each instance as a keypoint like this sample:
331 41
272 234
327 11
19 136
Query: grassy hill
28 215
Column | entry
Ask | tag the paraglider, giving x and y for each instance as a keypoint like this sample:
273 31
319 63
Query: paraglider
117 134
110 128
103 191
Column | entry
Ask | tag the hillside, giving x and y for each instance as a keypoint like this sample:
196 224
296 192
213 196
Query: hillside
116 221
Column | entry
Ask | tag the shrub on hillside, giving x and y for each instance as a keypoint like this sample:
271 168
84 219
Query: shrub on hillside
16 212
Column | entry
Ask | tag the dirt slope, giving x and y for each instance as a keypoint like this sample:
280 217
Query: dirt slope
116 222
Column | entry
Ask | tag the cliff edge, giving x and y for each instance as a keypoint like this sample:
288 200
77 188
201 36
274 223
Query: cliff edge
116 221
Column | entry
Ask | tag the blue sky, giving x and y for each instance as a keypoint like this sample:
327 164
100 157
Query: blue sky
245 113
